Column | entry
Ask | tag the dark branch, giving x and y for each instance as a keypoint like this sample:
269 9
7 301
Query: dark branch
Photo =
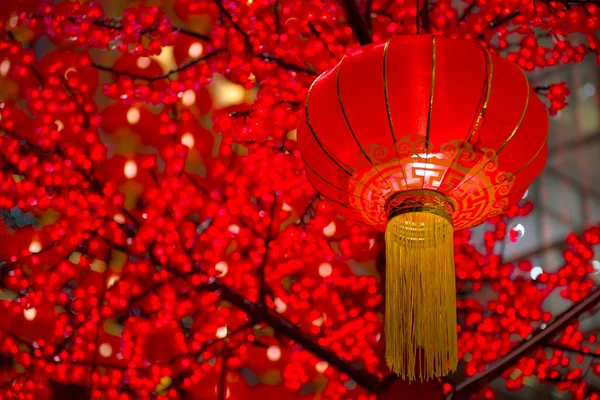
223 377
287 65
499 22
99 324
557 346
116 24
309 211
357 23
540 337
167 74
468 11
263 265
86 117
235 25
313 29
191 33
261 313
423 17
368 14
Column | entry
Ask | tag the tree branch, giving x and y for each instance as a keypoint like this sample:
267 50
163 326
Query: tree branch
287 65
468 11
309 211
167 74
262 313
191 33
262 267
100 320
423 17
357 23
558 346
367 17
499 22
539 338
86 117
235 25
223 376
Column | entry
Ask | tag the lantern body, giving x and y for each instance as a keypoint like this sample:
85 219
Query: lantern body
411 114
420 136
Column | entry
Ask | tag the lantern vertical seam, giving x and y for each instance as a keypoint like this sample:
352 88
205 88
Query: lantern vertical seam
519 170
339 95
389 113
531 159
512 134
319 141
490 68
427 132
487 96
340 203
326 181
428 129
358 211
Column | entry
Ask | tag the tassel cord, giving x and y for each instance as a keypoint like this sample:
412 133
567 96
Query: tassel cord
420 326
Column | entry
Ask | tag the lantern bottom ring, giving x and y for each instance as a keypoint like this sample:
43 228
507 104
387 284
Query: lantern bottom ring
424 200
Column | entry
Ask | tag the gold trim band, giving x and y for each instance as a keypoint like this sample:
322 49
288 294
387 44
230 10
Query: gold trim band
428 201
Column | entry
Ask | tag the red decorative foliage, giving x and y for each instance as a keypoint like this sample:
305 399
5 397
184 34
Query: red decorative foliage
159 235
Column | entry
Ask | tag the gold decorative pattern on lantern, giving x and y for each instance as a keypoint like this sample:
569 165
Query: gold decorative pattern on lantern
482 196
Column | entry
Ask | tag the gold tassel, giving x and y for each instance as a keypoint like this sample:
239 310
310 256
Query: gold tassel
420 309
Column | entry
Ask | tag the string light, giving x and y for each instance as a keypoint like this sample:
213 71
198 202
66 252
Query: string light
330 229
143 62
133 115
4 67
195 50
30 313
321 366
325 270
274 353
222 267
130 169
222 332
188 98
187 139
112 280
280 306
35 246
105 350
536 272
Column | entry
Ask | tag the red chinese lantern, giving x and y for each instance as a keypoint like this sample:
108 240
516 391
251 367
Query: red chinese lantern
420 136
